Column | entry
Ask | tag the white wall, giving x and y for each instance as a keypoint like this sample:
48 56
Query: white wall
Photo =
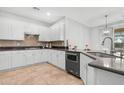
77 34
96 36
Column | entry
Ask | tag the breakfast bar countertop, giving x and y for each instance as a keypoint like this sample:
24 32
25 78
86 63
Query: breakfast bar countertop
115 65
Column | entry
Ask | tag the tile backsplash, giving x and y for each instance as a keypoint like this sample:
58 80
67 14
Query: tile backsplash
30 40
8 43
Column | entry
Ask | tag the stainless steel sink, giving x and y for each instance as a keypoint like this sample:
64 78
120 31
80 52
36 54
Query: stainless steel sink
104 55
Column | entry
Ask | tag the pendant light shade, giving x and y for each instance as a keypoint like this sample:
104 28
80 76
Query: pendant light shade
106 31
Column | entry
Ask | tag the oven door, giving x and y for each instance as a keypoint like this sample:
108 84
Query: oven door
72 57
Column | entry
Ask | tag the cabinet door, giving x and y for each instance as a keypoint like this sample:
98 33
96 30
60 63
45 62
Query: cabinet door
40 56
46 56
33 29
62 31
61 59
84 60
18 59
5 30
29 57
50 56
37 56
54 57
58 31
17 31
44 34
5 60
54 32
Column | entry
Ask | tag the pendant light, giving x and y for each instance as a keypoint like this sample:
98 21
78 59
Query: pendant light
106 31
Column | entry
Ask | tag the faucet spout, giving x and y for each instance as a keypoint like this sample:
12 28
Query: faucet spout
112 48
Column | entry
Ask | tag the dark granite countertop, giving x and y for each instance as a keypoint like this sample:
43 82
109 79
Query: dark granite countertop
16 48
115 65
12 48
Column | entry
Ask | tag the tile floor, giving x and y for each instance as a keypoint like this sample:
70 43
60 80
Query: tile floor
40 74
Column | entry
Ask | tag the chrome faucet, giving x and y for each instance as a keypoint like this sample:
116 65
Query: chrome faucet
112 48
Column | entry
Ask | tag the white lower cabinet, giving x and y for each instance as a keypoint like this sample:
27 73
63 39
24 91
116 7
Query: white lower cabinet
37 56
54 57
98 76
13 59
61 59
29 55
57 58
84 60
5 60
49 56
45 55
18 59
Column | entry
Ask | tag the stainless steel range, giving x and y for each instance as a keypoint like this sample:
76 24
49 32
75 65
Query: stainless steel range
73 63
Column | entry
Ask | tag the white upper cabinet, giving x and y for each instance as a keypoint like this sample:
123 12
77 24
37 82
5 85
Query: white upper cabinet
53 33
32 29
58 31
17 29
45 34
14 29
11 29
5 29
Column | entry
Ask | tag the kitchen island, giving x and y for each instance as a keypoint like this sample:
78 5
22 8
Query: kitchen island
106 71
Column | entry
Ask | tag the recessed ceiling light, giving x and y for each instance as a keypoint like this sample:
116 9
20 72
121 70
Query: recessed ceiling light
48 13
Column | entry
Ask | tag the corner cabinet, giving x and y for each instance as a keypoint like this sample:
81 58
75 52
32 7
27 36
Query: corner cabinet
57 58
44 34
61 59
57 31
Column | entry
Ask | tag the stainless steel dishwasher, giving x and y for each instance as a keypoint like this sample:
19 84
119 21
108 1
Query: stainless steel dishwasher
73 63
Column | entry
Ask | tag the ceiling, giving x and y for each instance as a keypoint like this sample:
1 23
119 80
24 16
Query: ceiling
89 16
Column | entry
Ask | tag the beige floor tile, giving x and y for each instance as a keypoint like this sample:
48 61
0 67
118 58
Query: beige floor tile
40 74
